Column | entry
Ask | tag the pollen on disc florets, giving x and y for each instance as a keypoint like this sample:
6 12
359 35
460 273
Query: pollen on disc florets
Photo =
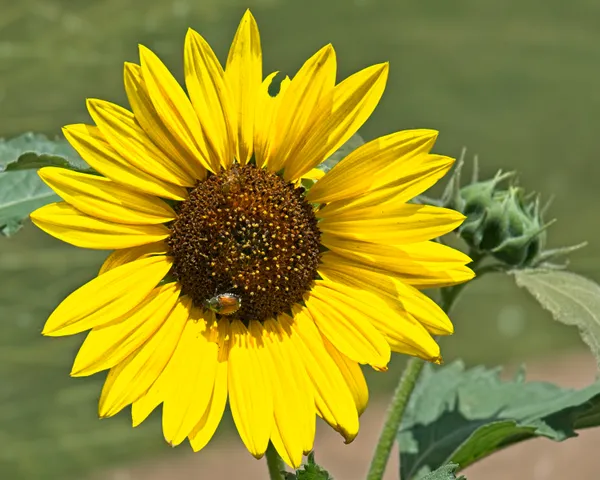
248 232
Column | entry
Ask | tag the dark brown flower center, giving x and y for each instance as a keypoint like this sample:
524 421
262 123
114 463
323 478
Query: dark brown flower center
249 234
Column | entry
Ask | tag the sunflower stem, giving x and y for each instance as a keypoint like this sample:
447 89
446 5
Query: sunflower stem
406 385
274 463
394 418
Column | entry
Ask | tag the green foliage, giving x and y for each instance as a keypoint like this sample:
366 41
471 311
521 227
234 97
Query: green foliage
21 190
33 150
444 473
460 416
570 298
20 194
310 471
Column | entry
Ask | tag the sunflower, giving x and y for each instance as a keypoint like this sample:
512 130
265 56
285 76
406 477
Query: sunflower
229 281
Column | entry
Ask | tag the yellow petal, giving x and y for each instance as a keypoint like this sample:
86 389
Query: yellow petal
353 376
207 426
352 334
266 106
174 108
293 399
296 113
107 345
423 265
333 399
143 406
391 223
265 116
338 117
243 75
126 255
68 224
250 391
419 305
107 297
148 118
122 131
167 381
314 174
303 381
102 198
97 152
204 79
402 332
372 165
191 379
422 172
283 449
131 378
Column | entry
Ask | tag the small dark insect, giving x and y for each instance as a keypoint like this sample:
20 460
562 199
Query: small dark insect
224 303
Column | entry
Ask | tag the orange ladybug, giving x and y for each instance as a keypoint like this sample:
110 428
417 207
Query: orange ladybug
224 303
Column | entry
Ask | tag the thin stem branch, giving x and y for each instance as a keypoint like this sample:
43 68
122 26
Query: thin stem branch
274 463
406 385
395 413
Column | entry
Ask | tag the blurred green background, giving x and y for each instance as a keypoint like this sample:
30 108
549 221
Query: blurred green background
515 81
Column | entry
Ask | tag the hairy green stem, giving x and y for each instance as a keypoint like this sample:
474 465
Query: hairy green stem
394 417
274 463
405 387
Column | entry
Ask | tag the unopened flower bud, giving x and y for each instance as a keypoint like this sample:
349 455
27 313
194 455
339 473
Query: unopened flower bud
501 221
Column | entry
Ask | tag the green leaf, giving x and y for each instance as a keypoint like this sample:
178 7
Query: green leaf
444 473
570 298
33 161
33 150
460 416
309 471
352 144
20 194
21 190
